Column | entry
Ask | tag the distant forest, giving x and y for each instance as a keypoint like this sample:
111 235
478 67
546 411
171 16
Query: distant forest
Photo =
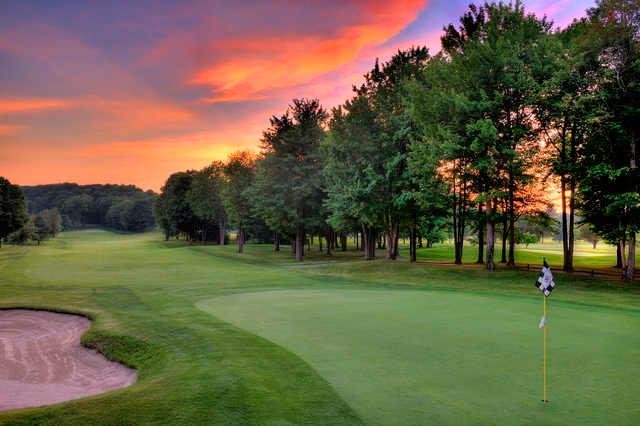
120 207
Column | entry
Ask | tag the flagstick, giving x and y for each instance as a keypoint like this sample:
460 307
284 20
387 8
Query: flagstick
544 374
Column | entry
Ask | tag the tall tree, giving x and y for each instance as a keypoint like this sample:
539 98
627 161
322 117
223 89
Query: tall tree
499 51
354 171
439 106
563 109
610 188
41 228
384 86
239 172
172 208
287 188
206 201
13 210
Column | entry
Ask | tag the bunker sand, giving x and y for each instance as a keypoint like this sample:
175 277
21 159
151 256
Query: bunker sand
42 361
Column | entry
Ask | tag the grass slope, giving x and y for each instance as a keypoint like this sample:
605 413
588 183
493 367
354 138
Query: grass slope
195 368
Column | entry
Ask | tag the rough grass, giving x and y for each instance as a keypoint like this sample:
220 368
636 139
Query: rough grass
195 368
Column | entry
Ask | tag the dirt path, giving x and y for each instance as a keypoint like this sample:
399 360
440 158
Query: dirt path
42 362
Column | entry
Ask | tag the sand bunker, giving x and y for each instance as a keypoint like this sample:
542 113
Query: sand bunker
42 362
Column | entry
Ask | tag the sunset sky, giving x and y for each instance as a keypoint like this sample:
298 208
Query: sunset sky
131 91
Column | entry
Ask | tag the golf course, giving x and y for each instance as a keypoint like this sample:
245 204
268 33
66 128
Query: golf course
257 338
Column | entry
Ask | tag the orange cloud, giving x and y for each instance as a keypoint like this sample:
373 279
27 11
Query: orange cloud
136 113
11 106
259 65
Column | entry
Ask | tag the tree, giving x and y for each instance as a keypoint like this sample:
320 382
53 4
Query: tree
395 131
496 63
173 211
437 104
205 199
587 234
24 234
13 211
564 108
610 188
287 189
77 208
41 228
83 205
353 171
239 173
53 219
528 238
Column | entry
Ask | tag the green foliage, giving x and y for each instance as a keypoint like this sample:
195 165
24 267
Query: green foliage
287 188
13 212
205 194
353 172
41 228
609 190
92 205
239 174
528 238
172 209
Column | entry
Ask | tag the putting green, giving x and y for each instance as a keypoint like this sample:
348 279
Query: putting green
443 357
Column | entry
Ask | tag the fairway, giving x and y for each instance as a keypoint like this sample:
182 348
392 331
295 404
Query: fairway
222 338
434 357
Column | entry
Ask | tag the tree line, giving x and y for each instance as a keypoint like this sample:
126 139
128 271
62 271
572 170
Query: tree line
469 140
120 207
36 213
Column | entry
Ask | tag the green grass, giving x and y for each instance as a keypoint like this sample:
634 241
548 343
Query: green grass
433 357
465 351
585 256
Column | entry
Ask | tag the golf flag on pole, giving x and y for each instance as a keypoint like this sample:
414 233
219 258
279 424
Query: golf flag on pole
545 280
545 284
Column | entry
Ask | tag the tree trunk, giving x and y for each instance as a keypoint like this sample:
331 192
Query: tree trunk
276 242
413 236
299 242
480 236
320 243
491 236
240 240
221 232
623 261
368 242
630 270
356 237
396 245
618 257
343 241
505 231
568 263
329 242
392 239
512 224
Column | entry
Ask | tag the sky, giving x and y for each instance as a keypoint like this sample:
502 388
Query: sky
132 91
